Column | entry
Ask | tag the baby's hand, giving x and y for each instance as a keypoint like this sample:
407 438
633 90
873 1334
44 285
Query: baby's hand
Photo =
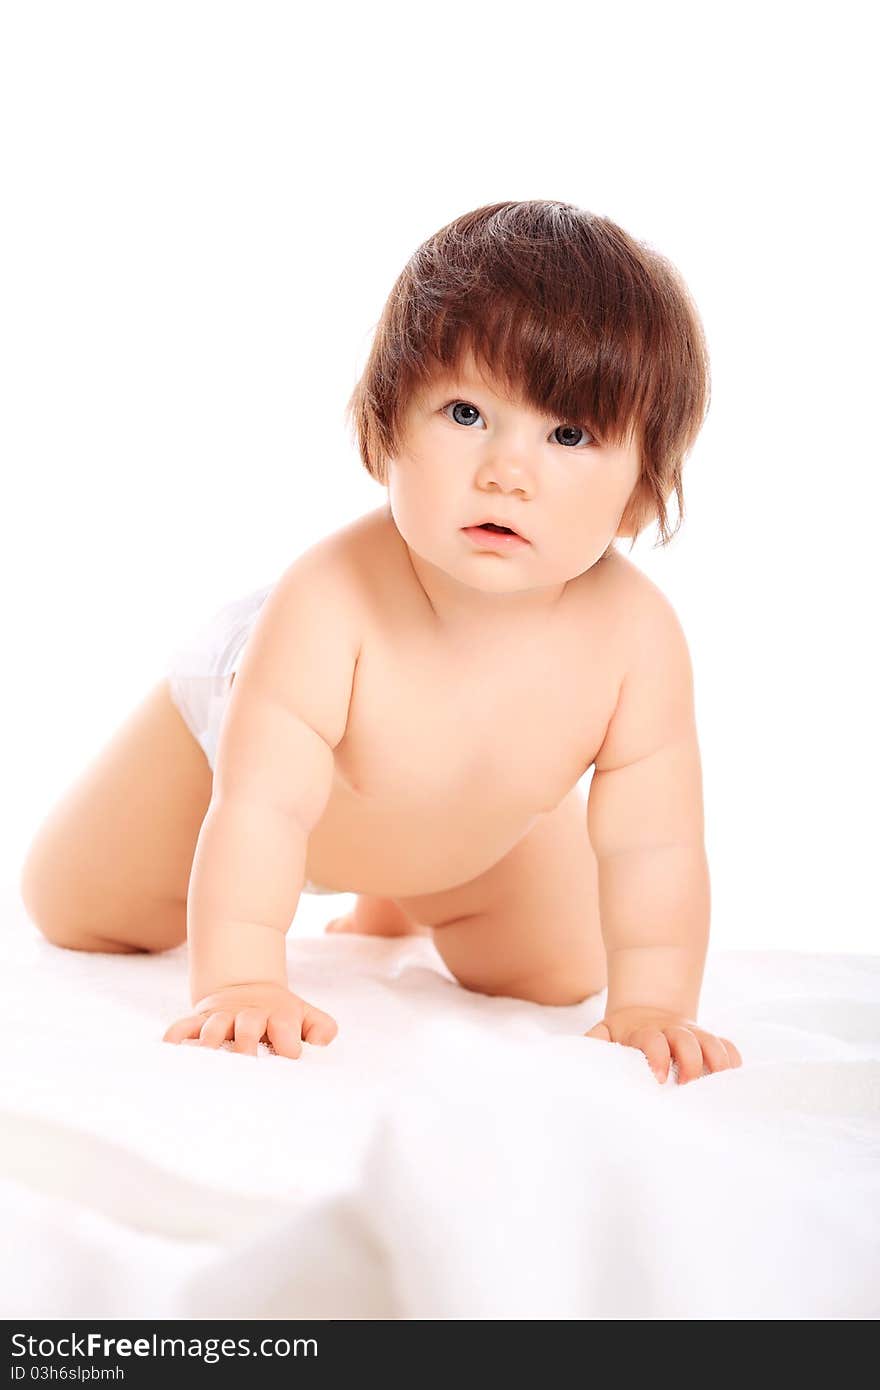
662 1036
249 1014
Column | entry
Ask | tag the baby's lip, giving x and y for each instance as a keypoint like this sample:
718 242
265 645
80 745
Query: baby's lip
495 521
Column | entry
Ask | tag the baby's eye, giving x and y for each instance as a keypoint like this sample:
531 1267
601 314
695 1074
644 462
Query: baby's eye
573 429
463 407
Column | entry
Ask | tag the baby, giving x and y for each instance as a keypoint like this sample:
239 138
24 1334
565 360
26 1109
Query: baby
407 712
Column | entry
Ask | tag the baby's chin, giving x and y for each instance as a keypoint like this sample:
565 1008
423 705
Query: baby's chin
501 581
520 571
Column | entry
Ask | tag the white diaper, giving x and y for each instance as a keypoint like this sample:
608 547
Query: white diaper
200 670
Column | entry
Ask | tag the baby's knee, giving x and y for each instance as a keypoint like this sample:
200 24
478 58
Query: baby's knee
73 939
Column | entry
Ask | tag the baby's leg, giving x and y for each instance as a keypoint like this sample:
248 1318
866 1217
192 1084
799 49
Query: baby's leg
529 927
377 917
109 868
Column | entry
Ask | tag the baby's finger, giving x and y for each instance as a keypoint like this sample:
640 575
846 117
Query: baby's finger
250 1025
216 1029
318 1027
714 1052
284 1035
601 1032
733 1053
656 1049
687 1052
182 1029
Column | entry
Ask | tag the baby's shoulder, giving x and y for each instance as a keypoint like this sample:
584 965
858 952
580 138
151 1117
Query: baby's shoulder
610 589
620 609
328 586
619 586
366 560
338 562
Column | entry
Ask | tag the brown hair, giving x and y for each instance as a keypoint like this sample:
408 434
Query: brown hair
570 314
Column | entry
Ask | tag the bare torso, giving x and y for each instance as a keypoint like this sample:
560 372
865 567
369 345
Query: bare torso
453 751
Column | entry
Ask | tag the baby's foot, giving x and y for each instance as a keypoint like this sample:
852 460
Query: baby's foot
341 924
376 917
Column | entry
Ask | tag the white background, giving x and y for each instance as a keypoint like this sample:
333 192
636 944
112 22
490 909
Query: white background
204 208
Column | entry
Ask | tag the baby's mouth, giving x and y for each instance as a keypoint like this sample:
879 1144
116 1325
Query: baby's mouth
505 538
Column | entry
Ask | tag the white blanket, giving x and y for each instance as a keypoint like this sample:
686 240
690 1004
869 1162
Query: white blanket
449 1155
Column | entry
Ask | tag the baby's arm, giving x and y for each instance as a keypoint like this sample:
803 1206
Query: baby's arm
646 825
287 711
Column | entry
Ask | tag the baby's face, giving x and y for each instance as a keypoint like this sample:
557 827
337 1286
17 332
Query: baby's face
472 455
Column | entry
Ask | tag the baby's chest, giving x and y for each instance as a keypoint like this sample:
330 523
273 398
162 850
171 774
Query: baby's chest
521 732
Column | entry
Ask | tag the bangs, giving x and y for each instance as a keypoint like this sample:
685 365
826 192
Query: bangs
512 349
